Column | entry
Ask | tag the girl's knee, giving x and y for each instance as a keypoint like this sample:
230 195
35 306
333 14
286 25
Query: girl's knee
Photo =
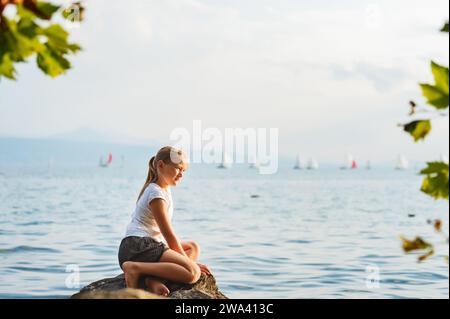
129 266
196 274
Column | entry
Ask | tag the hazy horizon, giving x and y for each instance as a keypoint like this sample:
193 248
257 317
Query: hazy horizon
69 149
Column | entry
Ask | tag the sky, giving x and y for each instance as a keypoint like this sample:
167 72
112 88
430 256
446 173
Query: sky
335 77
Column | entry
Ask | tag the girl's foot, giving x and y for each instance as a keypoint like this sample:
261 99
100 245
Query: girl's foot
131 274
157 287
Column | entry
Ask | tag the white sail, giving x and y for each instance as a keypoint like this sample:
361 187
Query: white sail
299 164
313 164
108 161
402 163
348 162
369 165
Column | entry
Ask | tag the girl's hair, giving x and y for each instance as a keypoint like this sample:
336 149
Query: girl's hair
167 154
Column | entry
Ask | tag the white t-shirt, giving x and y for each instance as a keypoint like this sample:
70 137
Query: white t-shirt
143 223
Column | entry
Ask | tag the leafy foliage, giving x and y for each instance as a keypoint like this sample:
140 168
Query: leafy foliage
418 244
437 94
26 35
418 129
435 183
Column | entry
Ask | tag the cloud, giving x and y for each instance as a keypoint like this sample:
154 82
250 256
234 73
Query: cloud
382 78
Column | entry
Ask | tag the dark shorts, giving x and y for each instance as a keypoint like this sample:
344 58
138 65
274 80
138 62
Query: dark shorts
142 249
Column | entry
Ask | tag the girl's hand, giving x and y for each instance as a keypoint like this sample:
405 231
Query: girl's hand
205 270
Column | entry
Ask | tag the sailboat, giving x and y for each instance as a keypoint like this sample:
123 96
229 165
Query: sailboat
369 165
299 164
312 164
226 162
107 162
350 163
402 163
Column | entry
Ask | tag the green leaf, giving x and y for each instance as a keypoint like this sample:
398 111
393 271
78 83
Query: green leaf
440 74
22 36
57 39
6 67
16 46
56 33
74 48
28 28
436 183
24 13
46 8
52 63
434 167
418 129
57 36
445 28
435 96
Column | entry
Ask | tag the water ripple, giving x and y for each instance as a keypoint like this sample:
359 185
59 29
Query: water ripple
27 249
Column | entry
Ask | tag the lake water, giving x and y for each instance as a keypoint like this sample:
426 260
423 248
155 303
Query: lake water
308 234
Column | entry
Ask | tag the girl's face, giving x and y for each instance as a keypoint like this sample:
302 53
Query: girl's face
171 173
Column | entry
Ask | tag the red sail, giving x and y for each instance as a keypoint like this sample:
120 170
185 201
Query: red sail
354 164
109 159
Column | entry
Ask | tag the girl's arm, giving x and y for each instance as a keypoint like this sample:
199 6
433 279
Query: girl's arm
159 210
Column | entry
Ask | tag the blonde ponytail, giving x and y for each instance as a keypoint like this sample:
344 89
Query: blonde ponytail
168 155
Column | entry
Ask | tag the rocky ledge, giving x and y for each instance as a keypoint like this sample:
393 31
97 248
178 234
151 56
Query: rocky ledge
115 288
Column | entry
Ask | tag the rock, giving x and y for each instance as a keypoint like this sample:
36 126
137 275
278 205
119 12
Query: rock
115 288
117 294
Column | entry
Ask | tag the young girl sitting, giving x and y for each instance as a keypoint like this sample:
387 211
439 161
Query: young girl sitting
150 247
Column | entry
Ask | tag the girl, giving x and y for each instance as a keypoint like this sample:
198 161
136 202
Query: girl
143 251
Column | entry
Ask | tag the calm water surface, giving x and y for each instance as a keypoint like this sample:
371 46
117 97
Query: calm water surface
307 234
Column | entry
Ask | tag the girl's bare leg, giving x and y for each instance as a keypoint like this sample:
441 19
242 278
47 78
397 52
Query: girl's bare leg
156 286
172 266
